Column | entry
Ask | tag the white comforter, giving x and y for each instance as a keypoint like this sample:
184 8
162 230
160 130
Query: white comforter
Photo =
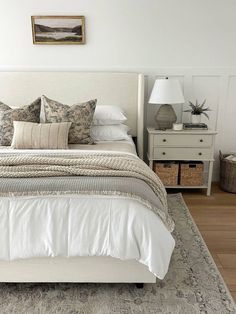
78 225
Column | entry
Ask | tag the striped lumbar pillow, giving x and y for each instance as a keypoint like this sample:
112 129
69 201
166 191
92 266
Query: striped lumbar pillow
29 135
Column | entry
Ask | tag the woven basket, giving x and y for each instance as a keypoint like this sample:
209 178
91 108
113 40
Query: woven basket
167 172
227 174
191 173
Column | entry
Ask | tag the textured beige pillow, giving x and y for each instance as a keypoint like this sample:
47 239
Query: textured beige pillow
40 135
81 116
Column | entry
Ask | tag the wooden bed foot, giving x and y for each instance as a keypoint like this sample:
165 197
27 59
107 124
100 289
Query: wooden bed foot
139 285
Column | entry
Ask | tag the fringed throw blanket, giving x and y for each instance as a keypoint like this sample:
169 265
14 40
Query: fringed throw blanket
84 164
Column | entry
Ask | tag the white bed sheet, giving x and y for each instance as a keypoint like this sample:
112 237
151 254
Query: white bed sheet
125 146
80 225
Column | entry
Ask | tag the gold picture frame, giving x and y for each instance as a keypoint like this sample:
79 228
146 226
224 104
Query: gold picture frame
58 29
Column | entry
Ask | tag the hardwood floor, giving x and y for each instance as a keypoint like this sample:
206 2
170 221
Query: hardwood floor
215 217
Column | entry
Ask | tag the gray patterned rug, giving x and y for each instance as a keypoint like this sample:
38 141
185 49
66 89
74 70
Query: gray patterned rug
193 285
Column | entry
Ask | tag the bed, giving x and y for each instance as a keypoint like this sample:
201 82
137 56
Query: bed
54 256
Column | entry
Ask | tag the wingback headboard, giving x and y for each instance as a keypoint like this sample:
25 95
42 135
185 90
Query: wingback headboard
122 89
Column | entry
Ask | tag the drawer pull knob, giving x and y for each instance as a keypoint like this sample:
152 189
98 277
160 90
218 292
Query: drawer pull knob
163 153
200 154
164 140
201 140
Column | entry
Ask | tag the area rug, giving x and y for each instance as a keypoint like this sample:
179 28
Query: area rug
192 285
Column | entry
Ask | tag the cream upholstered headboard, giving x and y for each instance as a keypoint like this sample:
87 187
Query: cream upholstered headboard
122 89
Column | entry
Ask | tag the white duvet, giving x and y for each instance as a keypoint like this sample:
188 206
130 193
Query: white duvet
80 225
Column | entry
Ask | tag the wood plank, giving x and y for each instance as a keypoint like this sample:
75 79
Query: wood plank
220 241
232 288
217 236
217 227
215 220
216 260
234 296
222 246
227 260
229 275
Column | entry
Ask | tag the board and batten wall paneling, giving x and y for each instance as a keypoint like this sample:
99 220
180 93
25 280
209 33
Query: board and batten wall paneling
218 87
227 118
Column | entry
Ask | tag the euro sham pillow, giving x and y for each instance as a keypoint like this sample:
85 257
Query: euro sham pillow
80 116
29 135
108 115
29 113
109 132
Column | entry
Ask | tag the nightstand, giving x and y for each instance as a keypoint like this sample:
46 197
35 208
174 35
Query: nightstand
186 145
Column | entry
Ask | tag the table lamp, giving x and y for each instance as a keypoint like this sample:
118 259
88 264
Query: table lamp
166 92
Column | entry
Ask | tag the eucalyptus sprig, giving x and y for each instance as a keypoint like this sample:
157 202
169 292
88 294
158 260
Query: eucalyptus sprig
198 109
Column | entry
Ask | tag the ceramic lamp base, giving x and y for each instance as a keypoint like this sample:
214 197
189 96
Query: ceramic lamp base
165 117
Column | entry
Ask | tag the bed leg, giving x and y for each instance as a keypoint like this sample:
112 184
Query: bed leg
139 285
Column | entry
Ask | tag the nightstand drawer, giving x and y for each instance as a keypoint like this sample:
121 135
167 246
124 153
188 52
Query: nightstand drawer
168 153
181 139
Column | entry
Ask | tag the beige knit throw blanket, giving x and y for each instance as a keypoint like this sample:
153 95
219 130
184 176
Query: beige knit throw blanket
92 164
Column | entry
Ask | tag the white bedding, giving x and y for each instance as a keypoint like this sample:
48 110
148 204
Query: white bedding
80 225
126 146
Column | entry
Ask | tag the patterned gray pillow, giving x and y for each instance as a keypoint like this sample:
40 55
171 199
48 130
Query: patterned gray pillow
29 113
81 116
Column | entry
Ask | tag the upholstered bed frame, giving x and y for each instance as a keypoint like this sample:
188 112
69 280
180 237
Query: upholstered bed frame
123 89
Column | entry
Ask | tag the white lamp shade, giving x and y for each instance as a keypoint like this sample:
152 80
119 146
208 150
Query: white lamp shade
166 91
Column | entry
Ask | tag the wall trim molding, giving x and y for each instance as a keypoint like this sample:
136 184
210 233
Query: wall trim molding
193 71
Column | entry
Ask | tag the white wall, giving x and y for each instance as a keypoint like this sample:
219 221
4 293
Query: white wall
125 33
193 40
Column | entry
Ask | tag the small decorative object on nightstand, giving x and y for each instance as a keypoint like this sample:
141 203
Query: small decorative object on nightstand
196 111
178 126
186 145
166 92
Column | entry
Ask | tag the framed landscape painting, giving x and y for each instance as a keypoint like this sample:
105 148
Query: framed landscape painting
56 30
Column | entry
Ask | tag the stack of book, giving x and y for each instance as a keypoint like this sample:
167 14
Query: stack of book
195 126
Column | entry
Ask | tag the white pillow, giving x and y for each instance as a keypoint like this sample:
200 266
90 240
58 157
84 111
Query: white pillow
109 132
108 115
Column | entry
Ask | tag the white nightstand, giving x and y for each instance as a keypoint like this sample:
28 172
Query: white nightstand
194 145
